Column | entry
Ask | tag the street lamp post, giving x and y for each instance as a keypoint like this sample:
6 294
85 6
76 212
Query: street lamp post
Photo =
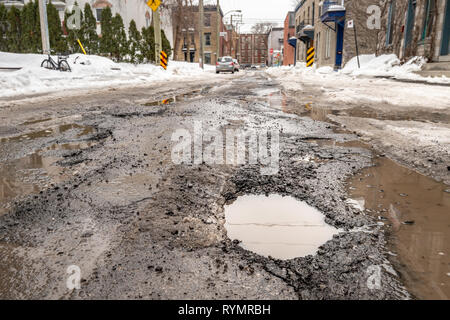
231 11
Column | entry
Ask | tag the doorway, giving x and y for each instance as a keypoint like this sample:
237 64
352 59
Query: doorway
410 19
445 48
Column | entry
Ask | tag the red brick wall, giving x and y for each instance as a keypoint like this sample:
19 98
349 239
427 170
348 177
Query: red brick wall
289 51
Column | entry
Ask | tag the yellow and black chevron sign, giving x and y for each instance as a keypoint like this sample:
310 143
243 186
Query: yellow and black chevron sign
163 60
310 57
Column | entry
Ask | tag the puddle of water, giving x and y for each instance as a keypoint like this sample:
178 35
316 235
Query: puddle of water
30 174
417 209
32 121
85 130
18 177
178 98
276 226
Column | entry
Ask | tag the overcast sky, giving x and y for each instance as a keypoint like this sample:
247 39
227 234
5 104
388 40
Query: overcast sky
257 10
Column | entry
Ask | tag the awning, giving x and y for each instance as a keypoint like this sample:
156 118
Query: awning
306 33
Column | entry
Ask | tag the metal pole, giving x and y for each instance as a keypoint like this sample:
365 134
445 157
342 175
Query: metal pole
219 20
356 43
44 27
157 29
202 50
231 37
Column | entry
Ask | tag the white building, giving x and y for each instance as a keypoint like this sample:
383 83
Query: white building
136 10
275 46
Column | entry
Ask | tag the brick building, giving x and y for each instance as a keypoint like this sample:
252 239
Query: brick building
289 31
254 48
187 35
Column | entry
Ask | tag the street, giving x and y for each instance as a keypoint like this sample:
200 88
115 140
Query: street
88 180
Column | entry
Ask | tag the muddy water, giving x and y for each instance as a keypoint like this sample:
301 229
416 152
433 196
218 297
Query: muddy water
414 208
276 226
36 171
417 213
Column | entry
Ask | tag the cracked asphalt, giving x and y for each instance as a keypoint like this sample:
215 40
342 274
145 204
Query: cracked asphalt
106 196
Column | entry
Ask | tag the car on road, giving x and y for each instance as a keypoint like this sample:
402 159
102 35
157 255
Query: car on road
253 67
225 64
237 66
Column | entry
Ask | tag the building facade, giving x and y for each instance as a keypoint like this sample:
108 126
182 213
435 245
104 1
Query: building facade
416 28
322 25
254 48
136 10
187 35
275 46
289 31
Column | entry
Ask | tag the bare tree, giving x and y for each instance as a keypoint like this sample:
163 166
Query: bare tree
262 27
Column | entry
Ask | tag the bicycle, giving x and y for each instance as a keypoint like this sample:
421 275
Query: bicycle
61 65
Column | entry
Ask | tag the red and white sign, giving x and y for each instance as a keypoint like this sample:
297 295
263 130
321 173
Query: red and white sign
271 50
350 24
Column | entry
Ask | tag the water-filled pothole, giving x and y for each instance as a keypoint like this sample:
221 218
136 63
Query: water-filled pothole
280 227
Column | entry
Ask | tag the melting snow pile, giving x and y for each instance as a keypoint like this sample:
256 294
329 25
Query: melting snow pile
87 72
372 66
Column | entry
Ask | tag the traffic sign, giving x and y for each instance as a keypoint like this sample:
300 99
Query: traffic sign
154 4
310 57
350 24
271 50
163 60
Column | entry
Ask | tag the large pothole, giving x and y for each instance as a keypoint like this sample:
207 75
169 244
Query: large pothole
280 227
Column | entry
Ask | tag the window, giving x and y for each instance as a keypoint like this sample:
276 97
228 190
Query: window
328 44
428 18
208 39
192 39
390 27
207 20
313 13
99 14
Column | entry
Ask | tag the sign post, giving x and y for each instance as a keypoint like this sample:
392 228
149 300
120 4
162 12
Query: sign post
154 5
163 60
351 25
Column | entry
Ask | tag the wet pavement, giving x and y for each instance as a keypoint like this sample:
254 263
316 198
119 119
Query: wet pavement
90 181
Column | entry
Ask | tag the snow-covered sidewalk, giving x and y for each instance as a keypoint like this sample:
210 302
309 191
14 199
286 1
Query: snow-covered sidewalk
354 85
87 72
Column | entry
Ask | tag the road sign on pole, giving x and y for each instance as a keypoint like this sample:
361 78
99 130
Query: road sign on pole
163 58
154 4
350 24
310 57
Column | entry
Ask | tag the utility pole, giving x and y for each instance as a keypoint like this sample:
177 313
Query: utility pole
157 29
219 20
231 37
202 23
44 27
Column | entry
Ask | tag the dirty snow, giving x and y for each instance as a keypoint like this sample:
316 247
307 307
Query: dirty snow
353 85
87 72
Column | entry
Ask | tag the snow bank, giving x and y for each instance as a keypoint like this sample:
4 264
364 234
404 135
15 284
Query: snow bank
385 66
371 66
87 72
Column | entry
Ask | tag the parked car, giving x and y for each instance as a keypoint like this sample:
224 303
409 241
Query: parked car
253 67
237 66
225 64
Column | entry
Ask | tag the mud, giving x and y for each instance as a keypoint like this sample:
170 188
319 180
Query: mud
141 227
